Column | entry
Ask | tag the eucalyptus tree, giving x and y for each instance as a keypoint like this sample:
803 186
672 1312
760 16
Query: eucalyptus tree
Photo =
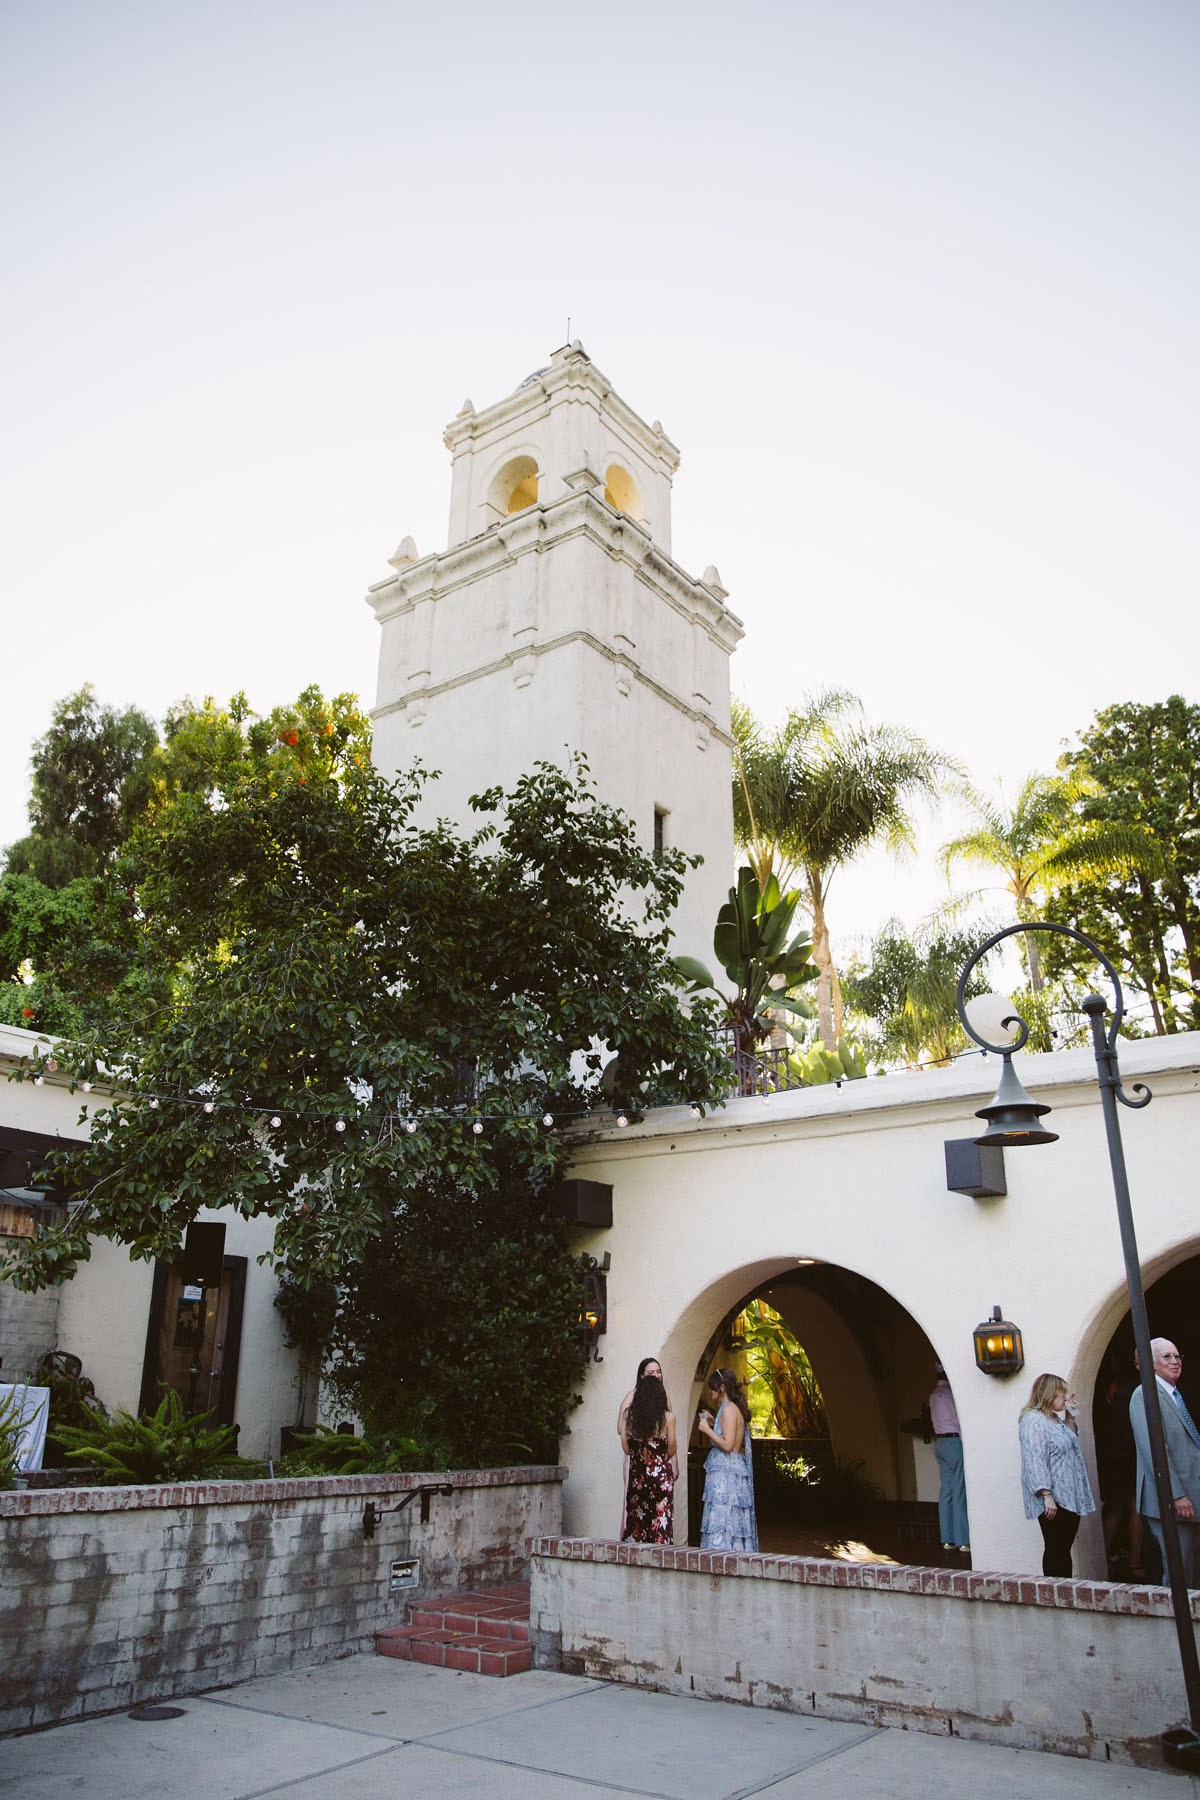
812 794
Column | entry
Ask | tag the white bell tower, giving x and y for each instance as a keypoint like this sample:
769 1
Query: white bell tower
557 621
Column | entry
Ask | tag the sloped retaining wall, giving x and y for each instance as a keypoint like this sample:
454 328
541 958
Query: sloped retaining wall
1085 1668
111 1596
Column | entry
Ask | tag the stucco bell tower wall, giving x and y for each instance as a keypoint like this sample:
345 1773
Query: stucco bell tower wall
557 621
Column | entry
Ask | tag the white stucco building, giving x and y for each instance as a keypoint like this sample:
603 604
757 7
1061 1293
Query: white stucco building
556 620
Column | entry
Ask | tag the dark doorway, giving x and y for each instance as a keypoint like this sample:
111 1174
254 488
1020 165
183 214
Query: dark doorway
193 1340
1173 1308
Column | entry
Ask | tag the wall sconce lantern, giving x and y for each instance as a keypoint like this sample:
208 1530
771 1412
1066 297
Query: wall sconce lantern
998 1346
593 1302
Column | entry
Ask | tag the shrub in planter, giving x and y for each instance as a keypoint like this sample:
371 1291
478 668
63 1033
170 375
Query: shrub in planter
164 1446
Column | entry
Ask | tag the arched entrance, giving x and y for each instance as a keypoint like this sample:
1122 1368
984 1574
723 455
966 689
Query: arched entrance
872 1474
1173 1309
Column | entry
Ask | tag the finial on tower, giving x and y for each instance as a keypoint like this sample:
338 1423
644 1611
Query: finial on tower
405 553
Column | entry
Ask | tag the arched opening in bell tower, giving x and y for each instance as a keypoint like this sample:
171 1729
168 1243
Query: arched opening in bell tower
621 491
515 486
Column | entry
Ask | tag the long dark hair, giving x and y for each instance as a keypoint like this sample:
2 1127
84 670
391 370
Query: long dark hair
725 1378
648 1409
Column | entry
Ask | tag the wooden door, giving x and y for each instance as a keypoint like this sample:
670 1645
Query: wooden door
193 1340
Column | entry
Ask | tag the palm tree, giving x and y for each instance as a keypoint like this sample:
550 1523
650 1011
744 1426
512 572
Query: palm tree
811 796
1042 844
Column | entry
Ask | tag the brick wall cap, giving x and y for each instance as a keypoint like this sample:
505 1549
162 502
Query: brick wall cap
35 1502
988 1587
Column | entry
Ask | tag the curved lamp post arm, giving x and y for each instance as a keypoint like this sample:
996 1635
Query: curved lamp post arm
1014 1121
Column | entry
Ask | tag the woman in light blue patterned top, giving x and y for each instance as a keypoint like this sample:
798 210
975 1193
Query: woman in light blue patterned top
1053 1479
729 1521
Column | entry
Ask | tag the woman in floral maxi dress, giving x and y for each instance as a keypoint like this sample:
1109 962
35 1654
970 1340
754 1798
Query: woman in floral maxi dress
729 1521
648 1438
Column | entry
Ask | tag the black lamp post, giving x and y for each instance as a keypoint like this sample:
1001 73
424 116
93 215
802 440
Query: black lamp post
1013 1119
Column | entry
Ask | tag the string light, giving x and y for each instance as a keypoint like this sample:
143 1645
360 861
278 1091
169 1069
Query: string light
411 1122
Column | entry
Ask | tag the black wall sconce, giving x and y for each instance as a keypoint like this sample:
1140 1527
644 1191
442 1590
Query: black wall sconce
593 1302
998 1346
975 1169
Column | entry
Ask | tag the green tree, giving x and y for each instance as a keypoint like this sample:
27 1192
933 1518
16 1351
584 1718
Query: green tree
90 783
1046 840
811 796
354 997
905 991
1139 768
73 952
762 958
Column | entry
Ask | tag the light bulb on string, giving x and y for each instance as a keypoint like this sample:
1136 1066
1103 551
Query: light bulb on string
208 1106
39 1081
87 1087
547 1120
154 1106
275 1122
477 1127
621 1119
411 1126
339 1125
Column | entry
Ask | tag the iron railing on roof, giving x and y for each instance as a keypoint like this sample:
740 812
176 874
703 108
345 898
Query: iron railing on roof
762 1071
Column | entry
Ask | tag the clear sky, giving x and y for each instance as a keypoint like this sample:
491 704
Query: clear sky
912 285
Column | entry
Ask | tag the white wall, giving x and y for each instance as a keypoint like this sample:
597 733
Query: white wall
103 1312
706 1211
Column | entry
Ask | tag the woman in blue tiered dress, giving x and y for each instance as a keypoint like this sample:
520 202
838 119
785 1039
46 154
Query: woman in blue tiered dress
729 1521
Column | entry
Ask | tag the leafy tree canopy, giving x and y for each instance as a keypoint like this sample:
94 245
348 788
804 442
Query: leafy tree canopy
72 945
905 992
1141 762
813 794
335 965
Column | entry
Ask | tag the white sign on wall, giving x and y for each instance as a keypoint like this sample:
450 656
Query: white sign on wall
33 1409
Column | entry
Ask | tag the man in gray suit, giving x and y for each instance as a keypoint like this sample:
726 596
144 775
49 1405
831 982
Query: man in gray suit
1183 1454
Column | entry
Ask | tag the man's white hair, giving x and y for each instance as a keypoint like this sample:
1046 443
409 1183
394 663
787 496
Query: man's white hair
1156 1346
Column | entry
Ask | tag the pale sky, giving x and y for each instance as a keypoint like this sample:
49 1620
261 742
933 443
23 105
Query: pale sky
913 287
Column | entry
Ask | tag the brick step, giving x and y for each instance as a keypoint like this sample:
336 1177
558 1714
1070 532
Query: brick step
485 1632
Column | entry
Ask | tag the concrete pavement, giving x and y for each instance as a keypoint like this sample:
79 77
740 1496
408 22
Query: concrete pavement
369 1727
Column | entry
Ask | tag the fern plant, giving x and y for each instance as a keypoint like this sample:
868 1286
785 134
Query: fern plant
10 1439
164 1446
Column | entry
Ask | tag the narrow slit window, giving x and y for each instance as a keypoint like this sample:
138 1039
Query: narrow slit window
660 830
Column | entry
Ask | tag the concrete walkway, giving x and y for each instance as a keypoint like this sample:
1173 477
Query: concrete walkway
370 1727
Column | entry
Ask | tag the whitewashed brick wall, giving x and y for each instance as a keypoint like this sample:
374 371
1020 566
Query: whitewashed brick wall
112 1596
1088 1669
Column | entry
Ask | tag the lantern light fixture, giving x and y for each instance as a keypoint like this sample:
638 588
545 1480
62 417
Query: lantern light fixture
998 1346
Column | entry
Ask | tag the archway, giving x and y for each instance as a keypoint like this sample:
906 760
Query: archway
514 487
621 491
874 1368
1173 1311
